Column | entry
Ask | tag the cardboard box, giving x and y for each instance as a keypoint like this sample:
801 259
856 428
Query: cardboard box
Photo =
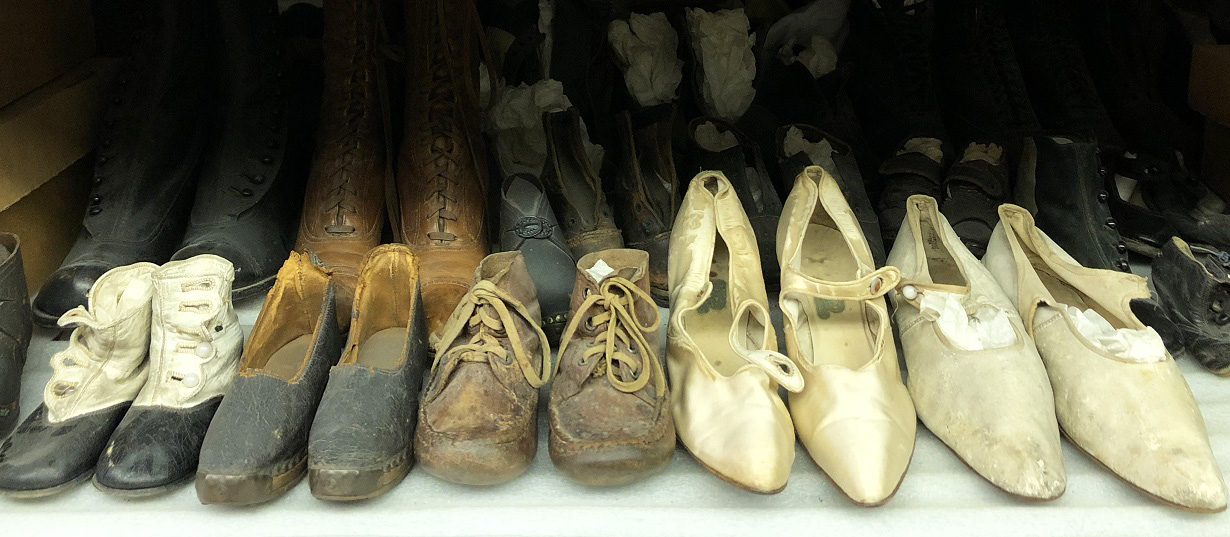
46 139
40 40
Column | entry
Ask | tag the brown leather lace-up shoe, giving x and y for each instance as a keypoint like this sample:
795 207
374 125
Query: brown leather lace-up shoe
343 212
478 418
609 410
442 169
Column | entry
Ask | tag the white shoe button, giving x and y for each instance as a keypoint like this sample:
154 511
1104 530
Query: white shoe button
909 292
191 380
204 350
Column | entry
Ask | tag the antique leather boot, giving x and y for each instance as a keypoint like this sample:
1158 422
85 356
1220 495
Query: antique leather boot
609 410
648 190
250 191
1193 287
93 383
478 420
149 150
442 169
361 443
1059 183
343 210
574 188
256 447
15 328
195 344
528 225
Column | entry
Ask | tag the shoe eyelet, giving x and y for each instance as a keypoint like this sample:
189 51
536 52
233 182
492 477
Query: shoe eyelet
218 328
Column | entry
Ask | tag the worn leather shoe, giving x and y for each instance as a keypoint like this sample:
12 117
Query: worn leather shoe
257 445
15 329
361 443
574 188
1193 289
648 188
528 225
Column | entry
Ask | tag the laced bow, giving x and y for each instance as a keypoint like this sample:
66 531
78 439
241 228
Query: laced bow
620 322
489 313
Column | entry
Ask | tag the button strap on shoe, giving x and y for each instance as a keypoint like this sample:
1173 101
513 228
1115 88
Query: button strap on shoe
620 321
489 313
778 366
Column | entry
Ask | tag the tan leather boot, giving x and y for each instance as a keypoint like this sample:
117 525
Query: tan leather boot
609 411
343 212
442 168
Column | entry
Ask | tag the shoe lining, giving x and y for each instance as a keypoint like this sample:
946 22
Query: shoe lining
1068 295
710 323
840 331
383 350
940 263
286 361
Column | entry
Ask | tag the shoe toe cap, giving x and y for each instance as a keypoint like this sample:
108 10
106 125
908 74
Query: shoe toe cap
66 289
865 459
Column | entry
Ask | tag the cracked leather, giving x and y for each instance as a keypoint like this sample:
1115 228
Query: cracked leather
648 187
150 145
343 210
154 446
264 421
15 329
442 169
42 455
250 189
744 167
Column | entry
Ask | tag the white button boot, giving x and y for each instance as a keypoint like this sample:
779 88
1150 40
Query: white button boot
195 346
92 384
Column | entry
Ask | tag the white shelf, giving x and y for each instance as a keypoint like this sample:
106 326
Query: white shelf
940 496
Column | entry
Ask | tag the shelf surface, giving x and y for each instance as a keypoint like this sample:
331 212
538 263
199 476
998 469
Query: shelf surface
940 496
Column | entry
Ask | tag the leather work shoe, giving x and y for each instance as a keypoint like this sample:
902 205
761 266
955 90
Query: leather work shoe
648 188
442 169
574 188
343 210
151 143
361 443
257 445
1119 396
15 329
609 410
93 382
528 225
249 195
478 423
195 345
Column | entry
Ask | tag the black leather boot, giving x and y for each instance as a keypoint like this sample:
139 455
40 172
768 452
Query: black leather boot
251 187
149 150
648 189
1193 287
15 327
1059 182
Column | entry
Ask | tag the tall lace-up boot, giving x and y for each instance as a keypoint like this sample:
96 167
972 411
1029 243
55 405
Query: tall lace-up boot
250 191
195 345
149 150
343 211
442 169
93 383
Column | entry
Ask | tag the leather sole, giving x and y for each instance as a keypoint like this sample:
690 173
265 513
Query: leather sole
352 485
150 492
248 489
609 467
49 491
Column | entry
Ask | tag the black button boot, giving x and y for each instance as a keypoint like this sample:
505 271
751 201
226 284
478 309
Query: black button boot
251 187
148 156
1059 182
1193 287
15 327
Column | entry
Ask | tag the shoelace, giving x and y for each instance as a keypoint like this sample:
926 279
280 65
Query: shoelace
489 316
620 322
